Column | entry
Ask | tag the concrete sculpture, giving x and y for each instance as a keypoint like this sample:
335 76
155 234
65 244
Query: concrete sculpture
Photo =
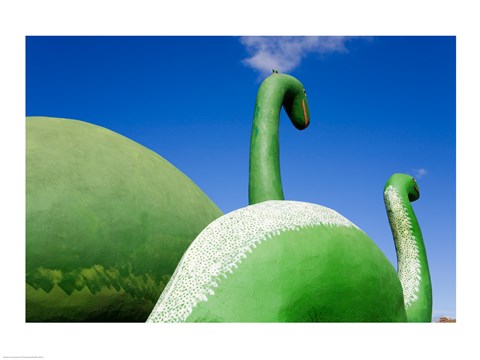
107 222
287 261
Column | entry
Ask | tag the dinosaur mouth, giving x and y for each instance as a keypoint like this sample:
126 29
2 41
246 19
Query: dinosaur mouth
415 195
305 116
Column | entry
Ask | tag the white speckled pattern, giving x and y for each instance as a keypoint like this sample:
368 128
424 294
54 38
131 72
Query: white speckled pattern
406 243
220 247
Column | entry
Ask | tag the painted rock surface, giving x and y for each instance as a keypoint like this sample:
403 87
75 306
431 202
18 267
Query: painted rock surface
107 223
282 261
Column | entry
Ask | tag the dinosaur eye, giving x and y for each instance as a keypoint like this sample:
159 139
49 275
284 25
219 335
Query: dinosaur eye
304 92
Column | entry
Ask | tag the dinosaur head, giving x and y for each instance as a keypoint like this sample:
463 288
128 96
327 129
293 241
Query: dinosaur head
405 184
296 106
294 100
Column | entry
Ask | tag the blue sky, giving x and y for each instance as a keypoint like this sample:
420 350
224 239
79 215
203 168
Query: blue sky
378 105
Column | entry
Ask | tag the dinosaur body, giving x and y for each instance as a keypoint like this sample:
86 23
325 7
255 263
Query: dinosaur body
107 221
282 261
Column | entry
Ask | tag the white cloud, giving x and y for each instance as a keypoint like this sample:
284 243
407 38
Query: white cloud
419 173
284 53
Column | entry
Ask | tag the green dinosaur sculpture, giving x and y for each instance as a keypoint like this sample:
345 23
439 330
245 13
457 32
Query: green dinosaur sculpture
287 261
107 221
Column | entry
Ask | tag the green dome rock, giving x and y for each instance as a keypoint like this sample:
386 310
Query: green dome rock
107 221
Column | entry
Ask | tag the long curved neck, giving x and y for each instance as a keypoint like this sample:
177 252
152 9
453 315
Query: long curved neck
265 182
412 261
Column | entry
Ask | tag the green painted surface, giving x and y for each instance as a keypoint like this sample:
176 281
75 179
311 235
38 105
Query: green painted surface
265 184
410 247
107 221
314 273
320 274
275 91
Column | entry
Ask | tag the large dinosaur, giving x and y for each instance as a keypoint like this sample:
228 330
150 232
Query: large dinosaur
287 261
107 222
